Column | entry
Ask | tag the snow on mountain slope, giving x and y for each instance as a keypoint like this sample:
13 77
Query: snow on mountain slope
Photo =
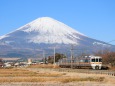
51 31
48 31
47 24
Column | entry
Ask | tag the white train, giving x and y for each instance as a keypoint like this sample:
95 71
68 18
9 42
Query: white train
94 62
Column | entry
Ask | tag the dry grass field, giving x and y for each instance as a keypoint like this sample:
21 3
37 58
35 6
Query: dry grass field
42 75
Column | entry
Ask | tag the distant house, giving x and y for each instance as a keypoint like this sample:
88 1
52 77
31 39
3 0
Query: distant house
10 59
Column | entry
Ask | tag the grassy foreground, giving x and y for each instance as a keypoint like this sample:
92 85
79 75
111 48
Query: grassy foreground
25 75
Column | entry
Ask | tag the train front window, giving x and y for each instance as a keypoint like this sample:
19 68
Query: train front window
96 59
93 60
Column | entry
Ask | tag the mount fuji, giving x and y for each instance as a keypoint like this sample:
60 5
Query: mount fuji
44 34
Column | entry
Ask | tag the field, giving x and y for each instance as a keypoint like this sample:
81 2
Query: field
47 75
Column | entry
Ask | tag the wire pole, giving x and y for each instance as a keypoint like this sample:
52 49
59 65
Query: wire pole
54 55
44 56
71 56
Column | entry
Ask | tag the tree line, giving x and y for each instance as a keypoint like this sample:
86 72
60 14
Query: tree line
108 57
50 59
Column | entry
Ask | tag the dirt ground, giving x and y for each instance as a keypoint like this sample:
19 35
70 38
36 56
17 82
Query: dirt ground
57 84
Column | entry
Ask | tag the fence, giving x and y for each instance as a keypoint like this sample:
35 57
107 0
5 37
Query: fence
103 72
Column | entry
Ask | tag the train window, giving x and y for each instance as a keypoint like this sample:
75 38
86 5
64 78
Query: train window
100 60
93 60
96 59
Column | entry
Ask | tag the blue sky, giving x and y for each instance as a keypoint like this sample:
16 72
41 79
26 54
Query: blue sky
94 18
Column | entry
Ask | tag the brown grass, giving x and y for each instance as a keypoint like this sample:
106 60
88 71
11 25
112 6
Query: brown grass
45 79
24 75
43 66
73 79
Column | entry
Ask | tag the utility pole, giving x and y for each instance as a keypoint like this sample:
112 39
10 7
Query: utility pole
71 56
54 55
44 56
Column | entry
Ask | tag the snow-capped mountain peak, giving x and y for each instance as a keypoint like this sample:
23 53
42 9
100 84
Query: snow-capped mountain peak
43 34
47 24
49 30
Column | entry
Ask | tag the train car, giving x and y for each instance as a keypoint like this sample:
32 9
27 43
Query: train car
94 62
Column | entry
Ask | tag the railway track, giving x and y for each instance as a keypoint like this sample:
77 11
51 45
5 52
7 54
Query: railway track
88 71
